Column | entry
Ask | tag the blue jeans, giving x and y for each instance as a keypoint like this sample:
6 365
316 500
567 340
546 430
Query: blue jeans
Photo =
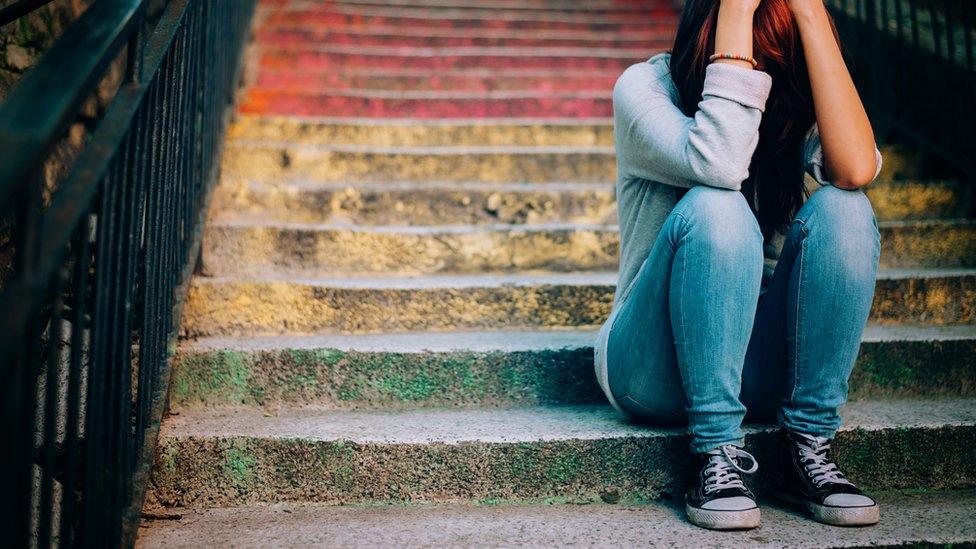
689 342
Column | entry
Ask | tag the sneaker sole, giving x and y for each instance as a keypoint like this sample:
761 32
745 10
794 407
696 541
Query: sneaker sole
835 516
723 520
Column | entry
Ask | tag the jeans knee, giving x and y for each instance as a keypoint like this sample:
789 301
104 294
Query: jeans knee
722 220
841 222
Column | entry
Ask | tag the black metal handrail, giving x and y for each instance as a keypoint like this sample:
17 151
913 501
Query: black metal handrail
19 9
916 63
88 318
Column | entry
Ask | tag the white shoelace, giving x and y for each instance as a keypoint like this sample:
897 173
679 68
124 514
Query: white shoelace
813 454
723 470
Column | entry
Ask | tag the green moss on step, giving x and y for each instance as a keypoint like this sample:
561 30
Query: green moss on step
372 380
563 468
384 380
915 368
244 471
219 377
238 468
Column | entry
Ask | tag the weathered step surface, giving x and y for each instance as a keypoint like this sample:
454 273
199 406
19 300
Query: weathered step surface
297 82
431 133
321 58
238 306
580 453
243 248
502 368
920 199
604 14
275 160
428 104
433 38
907 244
530 5
419 204
310 250
656 21
281 161
478 204
908 519
326 132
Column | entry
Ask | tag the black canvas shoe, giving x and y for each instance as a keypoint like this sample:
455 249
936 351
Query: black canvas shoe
811 480
717 498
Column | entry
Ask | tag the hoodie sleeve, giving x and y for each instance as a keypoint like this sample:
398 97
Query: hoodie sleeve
656 141
813 157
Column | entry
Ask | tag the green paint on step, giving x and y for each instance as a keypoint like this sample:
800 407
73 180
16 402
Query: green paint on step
624 468
238 467
222 377
915 368
367 379
375 380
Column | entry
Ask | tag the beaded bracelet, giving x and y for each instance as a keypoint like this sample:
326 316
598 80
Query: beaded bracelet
734 56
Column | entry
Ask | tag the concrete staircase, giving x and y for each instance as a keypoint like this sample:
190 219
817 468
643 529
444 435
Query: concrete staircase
411 247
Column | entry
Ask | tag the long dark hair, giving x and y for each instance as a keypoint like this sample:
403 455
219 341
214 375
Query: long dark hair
775 187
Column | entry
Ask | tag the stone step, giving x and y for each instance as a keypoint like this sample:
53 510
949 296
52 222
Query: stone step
624 12
580 453
244 248
277 305
911 244
321 58
273 160
418 204
428 104
481 204
502 368
441 38
655 21
529 5
279 161
306 84
328 132
920 199
910 519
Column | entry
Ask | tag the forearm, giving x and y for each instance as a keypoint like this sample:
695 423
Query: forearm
845 131
733 31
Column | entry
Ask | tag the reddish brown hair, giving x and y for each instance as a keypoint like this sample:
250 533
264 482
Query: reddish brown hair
774 188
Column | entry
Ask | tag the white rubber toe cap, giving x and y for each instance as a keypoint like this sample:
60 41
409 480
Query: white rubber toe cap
848 500
739 503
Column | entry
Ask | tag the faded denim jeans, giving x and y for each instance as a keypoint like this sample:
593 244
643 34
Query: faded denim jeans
689 342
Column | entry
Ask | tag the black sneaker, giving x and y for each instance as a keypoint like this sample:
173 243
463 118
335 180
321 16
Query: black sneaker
811 480
717 498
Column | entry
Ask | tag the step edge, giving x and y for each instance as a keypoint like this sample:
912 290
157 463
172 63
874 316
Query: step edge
244 223
602 423
429 282
548 340
427 150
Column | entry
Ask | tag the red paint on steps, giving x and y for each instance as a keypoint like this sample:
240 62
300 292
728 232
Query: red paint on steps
373 59
311 61
357 12
270 103
546 5
590 7
314 83
385 36
658 21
